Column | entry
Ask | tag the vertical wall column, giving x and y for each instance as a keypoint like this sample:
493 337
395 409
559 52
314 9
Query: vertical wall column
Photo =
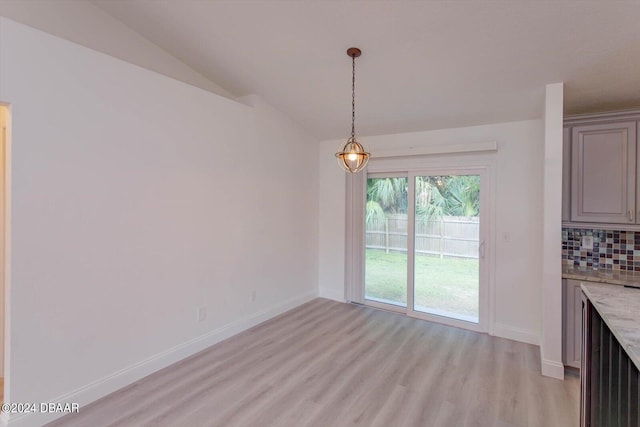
551 342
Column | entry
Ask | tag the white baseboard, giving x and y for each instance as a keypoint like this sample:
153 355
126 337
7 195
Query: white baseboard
515 334
331 294
552 369
103 386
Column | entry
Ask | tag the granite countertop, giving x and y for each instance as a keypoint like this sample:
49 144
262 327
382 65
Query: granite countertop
613 277
619 307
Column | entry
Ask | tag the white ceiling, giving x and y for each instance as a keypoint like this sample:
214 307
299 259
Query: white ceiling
425 64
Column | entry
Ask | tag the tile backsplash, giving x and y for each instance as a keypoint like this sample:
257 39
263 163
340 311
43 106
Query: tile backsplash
612 249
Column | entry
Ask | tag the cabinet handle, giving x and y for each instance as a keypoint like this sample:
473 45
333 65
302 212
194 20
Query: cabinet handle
630 214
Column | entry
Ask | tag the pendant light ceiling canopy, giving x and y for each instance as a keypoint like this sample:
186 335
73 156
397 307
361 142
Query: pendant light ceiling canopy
352 155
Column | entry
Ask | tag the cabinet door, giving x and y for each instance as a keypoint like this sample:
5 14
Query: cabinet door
572 322
566 174
603 168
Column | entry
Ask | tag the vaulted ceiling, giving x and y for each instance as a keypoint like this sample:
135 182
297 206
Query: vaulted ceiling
425 64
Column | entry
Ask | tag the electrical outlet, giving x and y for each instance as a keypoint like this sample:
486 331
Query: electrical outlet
253 295
202 314
587 242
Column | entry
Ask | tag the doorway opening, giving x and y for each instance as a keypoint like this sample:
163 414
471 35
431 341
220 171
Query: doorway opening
425 244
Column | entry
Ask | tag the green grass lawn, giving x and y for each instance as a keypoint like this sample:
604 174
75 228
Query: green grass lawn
449 284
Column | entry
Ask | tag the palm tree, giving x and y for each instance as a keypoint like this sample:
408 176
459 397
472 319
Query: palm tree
374 213
389 193
385 196
435 197
463 195
430 202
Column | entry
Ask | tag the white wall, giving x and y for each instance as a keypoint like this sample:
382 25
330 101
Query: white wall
551 343
82 22
518 212
135 199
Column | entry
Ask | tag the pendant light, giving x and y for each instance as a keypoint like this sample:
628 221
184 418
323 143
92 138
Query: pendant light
352 156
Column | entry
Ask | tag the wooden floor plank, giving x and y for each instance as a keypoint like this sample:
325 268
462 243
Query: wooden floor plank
333 364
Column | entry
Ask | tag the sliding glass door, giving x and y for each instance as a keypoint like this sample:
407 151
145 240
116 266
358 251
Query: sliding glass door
386 225
446 246
424 244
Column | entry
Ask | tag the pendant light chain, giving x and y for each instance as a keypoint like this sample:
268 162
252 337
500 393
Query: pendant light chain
353 97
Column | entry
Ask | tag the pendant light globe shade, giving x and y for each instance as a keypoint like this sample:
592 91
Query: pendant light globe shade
352 156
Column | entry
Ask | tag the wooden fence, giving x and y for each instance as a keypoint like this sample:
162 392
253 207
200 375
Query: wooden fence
448 236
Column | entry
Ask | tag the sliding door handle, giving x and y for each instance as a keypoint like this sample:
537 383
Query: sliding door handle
481 249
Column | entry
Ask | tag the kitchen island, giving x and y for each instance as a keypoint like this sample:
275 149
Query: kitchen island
611 355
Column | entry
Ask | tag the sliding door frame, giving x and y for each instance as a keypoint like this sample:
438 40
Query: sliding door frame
483 278
479 163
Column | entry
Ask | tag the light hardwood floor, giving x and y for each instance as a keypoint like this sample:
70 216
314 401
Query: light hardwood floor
332 364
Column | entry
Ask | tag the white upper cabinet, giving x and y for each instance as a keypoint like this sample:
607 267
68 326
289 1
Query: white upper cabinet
603 173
